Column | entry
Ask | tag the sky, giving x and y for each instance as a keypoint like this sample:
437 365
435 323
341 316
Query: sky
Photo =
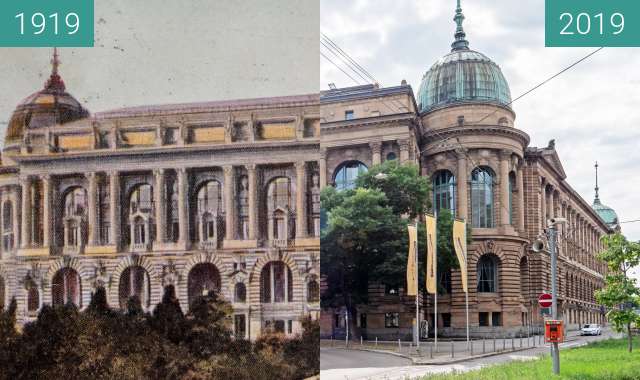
165 51
591 110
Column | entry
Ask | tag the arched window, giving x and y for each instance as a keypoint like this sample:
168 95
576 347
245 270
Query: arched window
7 226
240 293
512 188
65 287
141 199
203 278
488 274
278 208
346 174
482 197
444 191
33 299
134 282
313 291
276 283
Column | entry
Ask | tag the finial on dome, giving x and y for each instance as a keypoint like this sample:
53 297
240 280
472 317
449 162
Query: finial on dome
597 199
55 82
460 42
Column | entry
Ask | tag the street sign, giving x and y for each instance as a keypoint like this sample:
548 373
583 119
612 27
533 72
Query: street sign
545 300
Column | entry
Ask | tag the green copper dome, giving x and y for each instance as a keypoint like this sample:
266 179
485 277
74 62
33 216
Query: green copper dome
461 76
606 213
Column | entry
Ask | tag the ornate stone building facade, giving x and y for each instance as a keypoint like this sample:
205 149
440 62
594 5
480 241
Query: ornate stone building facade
461 130
219 196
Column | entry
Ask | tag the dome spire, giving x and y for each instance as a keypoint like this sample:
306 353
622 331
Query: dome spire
55 83
460 42
597 198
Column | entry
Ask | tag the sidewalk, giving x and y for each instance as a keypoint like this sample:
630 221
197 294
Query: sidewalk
453 351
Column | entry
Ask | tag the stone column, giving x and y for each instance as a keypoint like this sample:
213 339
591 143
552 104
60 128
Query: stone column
505 156
253 201
376 150
229 205
404 150
301 222
15 201
520 175
25 241
114 208
183 217
46 210
323 168
462 185
92 208
160 201
543 205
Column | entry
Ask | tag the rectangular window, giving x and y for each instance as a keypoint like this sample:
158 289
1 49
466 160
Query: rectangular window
240 326
349 115
483 319
392 320
278 326
446 319
289 326
496 319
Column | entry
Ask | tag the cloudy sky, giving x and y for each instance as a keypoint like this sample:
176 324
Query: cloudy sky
591 111
166 51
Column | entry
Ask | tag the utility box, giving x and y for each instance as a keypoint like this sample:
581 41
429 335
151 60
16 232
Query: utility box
553 331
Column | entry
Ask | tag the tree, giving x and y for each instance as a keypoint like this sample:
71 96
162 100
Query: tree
168 319
208 325
620 294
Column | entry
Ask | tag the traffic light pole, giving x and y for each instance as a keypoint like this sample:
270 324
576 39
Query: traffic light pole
552 234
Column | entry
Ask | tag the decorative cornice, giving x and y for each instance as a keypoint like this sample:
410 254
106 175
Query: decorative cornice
405 118
431 135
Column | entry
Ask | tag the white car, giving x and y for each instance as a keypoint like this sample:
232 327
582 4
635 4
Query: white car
591 329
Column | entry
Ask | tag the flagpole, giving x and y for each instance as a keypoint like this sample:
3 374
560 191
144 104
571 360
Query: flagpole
435 295
466 294
417 292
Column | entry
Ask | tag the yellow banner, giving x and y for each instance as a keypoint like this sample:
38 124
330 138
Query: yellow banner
460 246
412 269
432 262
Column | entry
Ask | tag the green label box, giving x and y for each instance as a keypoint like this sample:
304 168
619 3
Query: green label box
46 23
592 23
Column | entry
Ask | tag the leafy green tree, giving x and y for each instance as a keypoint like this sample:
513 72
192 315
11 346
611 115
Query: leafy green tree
620 294
168 319
208 325
407 192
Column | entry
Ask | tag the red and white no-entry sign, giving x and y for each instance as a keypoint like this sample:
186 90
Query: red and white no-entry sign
545 300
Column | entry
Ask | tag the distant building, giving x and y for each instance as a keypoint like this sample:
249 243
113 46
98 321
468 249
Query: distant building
216 196
460 128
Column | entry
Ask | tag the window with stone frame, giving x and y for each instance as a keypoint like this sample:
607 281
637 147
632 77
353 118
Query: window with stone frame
104 213
276 283
65 287
496 319
134 282
444 191
392 320
487 273
313 291
483 319
75 217
279 208
8 239
209 208
240 293
33 299
482 209
346 174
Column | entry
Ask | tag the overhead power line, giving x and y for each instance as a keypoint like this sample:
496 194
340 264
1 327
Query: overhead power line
347 63
339 68
330 42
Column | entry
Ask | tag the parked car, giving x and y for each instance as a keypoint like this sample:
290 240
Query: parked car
591 329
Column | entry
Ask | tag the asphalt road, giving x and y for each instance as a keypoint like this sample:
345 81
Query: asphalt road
340 364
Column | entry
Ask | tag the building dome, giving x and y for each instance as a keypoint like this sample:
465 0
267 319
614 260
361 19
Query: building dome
606 213
462 76
50 106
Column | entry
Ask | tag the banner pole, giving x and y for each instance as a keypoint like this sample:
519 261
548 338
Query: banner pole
435 295
417 292
466 294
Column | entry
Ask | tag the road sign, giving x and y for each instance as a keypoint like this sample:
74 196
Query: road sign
545 300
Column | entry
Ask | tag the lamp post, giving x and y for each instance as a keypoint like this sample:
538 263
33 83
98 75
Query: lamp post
552 235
